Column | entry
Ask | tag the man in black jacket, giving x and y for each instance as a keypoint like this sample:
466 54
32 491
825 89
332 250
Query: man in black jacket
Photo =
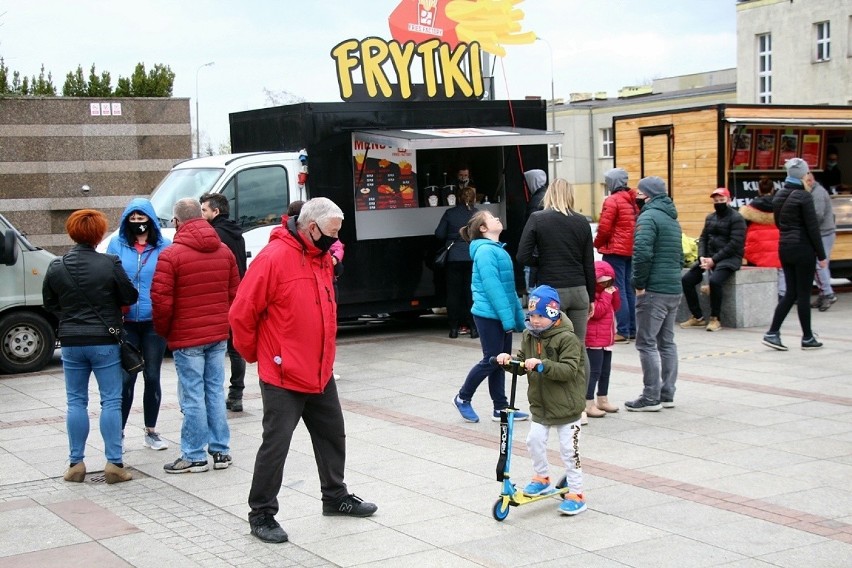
720 250
215 208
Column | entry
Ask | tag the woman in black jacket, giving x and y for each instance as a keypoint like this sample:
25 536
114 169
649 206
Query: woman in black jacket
459 264
84 287
799 246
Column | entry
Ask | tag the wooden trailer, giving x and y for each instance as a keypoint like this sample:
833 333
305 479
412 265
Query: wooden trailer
729 145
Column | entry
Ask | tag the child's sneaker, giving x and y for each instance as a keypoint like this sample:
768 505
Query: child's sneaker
495 417
465 409
572 504
538 486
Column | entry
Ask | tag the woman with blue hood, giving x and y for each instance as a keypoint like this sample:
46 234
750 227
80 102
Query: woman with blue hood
138 245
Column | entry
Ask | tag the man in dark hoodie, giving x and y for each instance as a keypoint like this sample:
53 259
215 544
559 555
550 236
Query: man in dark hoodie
216 209
536 181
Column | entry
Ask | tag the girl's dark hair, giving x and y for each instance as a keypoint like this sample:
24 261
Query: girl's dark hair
765 186
471 232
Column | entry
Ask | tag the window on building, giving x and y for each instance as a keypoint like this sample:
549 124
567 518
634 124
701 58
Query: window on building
764 68
607 143
555 152
823 41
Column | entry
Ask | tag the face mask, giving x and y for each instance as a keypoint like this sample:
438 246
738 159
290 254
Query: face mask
640 202
324 242
720 207
601 286
138 228
831 163
463 182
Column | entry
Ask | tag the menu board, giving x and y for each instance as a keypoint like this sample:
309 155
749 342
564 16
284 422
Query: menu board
764 153
788 146
811 143
742 151
384 177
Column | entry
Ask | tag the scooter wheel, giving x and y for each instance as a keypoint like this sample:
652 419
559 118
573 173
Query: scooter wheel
500 510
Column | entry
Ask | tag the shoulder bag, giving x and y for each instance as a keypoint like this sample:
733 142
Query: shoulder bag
441 257
131 358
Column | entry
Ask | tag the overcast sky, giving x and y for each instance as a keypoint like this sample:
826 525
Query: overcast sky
599 45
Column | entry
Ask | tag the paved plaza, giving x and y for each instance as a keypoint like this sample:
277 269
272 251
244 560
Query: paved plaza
753 468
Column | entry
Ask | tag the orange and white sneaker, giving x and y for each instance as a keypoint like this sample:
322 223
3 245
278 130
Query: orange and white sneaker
572 504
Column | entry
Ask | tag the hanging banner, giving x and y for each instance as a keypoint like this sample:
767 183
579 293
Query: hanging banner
438 41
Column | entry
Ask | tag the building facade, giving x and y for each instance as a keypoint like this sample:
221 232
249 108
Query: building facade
794 52
588 147
59 154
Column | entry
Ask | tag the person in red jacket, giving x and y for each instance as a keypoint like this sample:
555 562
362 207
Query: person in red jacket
614 240
761 242
600 337
285 319
194 284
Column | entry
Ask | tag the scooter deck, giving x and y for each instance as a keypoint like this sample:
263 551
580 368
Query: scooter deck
520 498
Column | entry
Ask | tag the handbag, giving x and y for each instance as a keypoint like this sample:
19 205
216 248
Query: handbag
441 257
132 360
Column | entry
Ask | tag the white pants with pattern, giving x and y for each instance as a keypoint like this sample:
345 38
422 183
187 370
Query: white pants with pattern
569 449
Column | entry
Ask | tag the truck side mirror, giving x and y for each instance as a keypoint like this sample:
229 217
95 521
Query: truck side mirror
8 248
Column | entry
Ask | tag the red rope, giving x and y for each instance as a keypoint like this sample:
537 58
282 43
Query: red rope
517 148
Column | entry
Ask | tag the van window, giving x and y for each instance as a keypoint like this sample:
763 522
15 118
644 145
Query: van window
258 196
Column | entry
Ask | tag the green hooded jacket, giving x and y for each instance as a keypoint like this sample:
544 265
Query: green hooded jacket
657 248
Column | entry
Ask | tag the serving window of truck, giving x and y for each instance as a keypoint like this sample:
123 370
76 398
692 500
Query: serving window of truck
404 179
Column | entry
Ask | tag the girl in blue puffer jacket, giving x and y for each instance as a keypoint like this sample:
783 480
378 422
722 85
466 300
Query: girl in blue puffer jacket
496 313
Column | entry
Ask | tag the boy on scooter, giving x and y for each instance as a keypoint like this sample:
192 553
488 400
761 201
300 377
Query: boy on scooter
556 394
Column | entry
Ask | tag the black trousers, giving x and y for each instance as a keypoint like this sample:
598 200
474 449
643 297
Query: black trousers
323 417
459 298
692 278
798 264
238 371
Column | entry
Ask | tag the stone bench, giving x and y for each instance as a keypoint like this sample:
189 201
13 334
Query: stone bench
749 298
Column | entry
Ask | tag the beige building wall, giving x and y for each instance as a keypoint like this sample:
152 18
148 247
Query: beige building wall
52 146
798 77
583 122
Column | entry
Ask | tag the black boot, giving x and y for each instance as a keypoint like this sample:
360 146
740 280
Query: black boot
234 404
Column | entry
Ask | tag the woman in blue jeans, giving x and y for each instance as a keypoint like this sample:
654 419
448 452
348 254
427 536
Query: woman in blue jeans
138 244
496 312
87 290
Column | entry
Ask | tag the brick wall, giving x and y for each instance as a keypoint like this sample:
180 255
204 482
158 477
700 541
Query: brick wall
50 147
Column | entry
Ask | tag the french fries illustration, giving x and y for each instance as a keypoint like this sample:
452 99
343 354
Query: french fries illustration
491 23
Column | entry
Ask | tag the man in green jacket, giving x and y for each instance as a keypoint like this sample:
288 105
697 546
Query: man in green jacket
657 262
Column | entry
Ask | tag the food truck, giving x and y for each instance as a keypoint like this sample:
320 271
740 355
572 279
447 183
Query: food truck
391 166
733 145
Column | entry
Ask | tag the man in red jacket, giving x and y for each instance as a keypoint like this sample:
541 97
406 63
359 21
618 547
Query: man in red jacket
614 240
285 319
194 284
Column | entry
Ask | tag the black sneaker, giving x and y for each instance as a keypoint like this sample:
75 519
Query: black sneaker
642 404
826 301
181 465
667 402
811 343
234 404
220 460
267 529
349 506
773 340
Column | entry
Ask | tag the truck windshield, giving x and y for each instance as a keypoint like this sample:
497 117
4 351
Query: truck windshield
190 182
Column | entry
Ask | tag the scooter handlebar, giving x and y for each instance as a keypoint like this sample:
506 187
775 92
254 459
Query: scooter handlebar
518 362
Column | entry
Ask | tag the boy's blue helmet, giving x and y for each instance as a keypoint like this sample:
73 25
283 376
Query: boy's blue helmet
544 301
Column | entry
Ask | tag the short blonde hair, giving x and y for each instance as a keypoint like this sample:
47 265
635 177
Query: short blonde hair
560 196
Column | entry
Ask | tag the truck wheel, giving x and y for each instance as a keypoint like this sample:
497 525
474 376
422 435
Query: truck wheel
27 342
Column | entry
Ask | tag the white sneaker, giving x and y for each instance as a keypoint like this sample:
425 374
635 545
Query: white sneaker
153 441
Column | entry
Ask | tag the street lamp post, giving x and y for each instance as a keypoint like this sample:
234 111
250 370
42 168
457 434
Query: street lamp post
552 102
197 118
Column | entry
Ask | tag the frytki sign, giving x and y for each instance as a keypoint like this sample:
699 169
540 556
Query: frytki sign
436 50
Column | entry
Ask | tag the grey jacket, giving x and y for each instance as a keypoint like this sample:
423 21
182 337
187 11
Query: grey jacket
824 210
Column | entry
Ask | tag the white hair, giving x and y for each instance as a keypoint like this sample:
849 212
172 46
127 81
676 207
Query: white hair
318 210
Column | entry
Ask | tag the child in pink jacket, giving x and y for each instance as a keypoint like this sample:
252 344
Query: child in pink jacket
600 337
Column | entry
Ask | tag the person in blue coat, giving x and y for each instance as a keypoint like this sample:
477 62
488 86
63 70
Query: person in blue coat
138 244
496 313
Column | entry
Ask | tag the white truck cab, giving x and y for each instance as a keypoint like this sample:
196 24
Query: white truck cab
27 331
258 185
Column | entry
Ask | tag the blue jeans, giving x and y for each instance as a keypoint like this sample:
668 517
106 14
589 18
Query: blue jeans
78 363
625 318
201 394
153 347
494 341
655 319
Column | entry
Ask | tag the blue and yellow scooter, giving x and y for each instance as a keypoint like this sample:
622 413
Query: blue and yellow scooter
511 496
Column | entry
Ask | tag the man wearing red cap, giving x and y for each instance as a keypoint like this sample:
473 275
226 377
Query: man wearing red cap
720 252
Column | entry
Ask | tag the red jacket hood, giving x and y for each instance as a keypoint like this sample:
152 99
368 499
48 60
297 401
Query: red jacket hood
603 268
199 235
288 232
